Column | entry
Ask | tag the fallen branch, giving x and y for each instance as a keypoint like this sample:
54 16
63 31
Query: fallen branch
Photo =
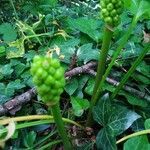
129 89
15 104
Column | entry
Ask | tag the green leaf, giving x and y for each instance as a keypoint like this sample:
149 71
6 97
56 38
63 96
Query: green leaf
138 125
3 96
52 3
133 100
16 49
2 51
86 146
117 117
86 53
79 105
6 70
68 49
29 139
137 143
16 85
140 8
82 80
147 124
71 86
87 26
19 68
144 69
9 33
141 78
102 110
90 86
105 140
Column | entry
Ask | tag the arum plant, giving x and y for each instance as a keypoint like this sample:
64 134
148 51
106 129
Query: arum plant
48 76
139 9
110 13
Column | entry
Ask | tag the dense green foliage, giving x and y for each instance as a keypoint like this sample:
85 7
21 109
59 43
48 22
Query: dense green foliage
72 31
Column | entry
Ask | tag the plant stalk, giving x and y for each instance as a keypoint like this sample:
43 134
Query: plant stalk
108 33
15 12
60 126
37 117
122 43
133 135
131 70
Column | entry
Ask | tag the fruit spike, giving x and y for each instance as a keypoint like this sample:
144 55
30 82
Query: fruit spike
111 10
48 76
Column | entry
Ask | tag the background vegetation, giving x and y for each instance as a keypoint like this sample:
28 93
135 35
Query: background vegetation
73 31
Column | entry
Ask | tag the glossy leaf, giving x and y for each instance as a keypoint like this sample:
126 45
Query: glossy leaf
117 117
79 105
105 139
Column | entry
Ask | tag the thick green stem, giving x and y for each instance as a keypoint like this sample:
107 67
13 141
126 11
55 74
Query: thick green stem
100 70
131 70
122 43
60 126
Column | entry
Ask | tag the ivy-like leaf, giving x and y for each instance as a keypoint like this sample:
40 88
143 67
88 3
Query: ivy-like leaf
105 140
117 117
102 110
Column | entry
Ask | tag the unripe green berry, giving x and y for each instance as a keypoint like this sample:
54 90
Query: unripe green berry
39 72
50 80
110 7
51 70
119 10
107 1
113 13
105 12
108 20
102 4
116 20
118 5
55 64
59 73
114 1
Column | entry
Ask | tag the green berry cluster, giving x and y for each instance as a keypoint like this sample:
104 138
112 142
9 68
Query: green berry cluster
48 76
111 10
